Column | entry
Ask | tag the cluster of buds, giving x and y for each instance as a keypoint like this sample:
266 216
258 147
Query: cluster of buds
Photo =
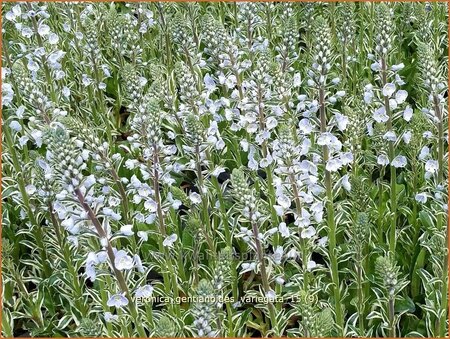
45 181
125 37
66 156
321 53
222 271
356 129
431 77
244 195
204 310
91 41
159 87
194 130
183 38
187 83
133 86
308 13
89 328
31 92
214 34
285 150
358 193
146 124
346 29
287 49
248 17
387 273
436 246
165 328
314 323
360 231
383 38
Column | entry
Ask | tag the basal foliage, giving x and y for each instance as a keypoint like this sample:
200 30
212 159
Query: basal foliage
224 169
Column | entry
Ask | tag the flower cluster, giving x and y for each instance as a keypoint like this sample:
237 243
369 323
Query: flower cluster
224 169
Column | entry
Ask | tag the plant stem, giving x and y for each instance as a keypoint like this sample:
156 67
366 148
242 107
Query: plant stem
163 232
380 227
264 277
302 241
393 228
359 271
265 152
205 214
391 317
331 222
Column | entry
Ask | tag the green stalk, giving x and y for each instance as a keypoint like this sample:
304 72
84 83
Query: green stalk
391 312
393 228
331 222
380 227
163 232
228 235
122 192
359 283
265 152
264 276
205 210
302 241
149 313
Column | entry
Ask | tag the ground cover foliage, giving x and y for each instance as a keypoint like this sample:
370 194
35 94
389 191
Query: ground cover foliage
224 169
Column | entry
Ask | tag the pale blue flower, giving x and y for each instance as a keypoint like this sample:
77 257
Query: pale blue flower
431 166
145 291
408 113
407 137
15 126
308 233
380 115
382 160
424 153
284 230
168 242
421 197
389 89
399 161
127 230
401 96
109 317
123 261
117 300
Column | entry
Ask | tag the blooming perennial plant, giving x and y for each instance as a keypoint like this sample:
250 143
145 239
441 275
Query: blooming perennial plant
224 169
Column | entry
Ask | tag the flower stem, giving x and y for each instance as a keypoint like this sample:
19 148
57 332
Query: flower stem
391 317
163 232
331 222
393 228
109 250
205 210
264 276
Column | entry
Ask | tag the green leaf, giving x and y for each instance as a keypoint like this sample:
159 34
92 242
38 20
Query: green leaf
426 219
404 305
